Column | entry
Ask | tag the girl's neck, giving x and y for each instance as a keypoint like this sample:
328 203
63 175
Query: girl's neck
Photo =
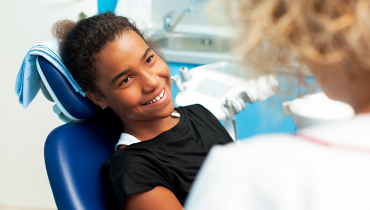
145 130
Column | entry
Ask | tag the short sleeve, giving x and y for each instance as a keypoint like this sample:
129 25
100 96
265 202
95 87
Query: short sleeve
136 173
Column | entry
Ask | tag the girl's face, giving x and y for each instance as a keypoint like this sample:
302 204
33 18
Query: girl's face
135 81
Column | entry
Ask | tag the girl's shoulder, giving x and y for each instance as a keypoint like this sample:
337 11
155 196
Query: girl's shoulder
194 109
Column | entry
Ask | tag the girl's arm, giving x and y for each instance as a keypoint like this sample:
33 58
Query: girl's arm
159 198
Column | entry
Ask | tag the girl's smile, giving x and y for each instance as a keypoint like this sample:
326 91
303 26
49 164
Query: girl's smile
158 99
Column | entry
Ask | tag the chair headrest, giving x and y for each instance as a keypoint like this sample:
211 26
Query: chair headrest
70 105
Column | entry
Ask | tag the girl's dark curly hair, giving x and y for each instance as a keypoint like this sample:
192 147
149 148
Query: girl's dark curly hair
80 41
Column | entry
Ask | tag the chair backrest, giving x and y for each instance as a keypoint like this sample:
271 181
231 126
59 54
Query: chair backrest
75 152
72 104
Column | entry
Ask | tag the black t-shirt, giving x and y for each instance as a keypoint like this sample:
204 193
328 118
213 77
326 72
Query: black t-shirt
171 159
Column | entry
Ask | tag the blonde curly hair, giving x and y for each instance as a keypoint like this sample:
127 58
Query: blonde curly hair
273 32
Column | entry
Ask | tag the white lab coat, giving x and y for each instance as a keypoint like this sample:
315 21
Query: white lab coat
287 172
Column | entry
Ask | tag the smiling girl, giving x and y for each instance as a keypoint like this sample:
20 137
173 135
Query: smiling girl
161 148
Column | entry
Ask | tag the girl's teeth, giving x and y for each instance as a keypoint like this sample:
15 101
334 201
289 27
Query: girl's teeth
157 98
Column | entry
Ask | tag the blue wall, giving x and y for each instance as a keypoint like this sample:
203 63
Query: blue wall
106 5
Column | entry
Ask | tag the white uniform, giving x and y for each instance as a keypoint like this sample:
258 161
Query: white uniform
331 171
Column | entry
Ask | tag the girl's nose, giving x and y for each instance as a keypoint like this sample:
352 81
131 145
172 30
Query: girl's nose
150 81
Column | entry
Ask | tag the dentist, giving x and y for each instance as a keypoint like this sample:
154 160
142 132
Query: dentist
322 167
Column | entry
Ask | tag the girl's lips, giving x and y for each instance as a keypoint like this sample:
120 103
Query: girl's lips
158 99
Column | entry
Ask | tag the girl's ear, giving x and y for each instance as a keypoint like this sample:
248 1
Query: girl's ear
97 99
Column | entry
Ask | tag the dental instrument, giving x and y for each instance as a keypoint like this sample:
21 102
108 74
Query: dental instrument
218 88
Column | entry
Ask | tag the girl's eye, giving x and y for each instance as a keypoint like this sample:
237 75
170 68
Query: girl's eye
126 80
149 60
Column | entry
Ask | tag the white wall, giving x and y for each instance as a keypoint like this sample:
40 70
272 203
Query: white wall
200 17
24 23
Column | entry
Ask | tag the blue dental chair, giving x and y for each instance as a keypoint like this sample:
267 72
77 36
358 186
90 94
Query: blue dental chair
74 152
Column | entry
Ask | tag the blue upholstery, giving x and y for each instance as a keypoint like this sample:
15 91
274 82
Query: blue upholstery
75 152
75 104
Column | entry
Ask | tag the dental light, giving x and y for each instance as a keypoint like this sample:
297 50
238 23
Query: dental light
222 89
